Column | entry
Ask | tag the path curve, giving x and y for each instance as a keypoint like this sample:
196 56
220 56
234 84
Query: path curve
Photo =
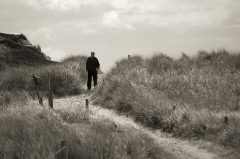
178 148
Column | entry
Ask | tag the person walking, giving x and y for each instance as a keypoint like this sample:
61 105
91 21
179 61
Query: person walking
92 67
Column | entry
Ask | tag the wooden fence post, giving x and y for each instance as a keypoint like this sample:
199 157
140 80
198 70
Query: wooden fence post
87 104
3 156
16 156
226 120
7 101
50 94
174 107
65 150
36 83
129 56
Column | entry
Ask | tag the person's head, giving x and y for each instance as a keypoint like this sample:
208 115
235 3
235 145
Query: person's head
92 54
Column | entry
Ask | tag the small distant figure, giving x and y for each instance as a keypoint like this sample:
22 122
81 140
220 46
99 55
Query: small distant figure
92 67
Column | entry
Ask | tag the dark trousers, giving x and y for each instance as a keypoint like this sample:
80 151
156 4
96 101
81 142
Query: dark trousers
92 74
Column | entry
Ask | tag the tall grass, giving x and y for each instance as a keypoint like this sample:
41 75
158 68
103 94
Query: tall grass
28 131
67 78
33 132
188 97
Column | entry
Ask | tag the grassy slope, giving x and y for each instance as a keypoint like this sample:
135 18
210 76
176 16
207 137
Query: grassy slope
34 132
29 131
189 97
67 78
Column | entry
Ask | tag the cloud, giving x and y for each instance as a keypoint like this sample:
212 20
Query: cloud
161 13
62 4
111 19
225 39
89 31
43 33
55 54
54 4
173 12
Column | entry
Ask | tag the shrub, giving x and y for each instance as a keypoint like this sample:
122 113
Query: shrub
159 63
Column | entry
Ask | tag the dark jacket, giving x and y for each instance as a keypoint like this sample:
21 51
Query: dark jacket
92 64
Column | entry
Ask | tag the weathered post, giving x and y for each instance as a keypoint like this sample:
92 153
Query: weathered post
36 83
7 101
50 94
237 94
86 112
3 156
129 56
87 104
16 156
174 107
65 150
226 120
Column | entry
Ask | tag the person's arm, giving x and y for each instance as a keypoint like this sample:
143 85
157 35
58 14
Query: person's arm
87 64
97 62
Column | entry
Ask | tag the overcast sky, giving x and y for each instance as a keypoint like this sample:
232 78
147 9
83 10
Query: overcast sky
116 28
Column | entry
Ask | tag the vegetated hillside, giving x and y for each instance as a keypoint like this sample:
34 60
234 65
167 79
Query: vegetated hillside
16 50
190 97
28 130
67 78
19 60
32 131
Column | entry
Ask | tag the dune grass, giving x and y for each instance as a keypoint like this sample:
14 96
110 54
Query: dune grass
31 131
67 78
189 97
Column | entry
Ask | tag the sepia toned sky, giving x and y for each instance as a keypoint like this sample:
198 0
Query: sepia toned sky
116 28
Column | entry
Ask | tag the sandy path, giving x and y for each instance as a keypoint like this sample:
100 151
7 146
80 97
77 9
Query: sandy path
178 148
